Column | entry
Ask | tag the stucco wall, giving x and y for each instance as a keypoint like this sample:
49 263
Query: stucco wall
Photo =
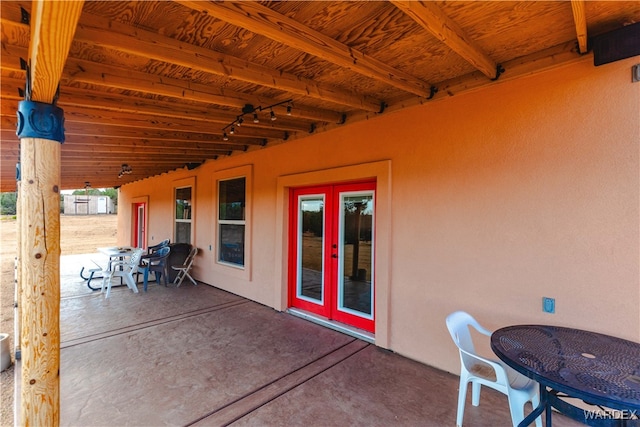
493 199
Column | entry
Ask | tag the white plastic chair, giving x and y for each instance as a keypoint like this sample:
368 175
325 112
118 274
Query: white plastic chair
124 268
479 370
183 270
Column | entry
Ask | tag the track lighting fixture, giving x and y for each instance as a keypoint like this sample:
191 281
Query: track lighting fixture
124 170
250 109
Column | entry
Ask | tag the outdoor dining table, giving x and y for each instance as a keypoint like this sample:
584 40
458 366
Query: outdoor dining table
114 253
598 369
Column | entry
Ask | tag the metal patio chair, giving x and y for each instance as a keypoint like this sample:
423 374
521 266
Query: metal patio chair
183 270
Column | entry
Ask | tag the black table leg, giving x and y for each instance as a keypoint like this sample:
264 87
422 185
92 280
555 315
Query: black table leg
544 403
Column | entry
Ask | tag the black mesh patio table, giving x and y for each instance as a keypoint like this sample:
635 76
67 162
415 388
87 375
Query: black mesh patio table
598 369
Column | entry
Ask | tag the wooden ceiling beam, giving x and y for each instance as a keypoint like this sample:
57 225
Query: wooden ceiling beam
113 144
112 34
74 99
75 115
262 20
104 75
120 152
116 145
151 152
140 134
153 133
77 70
130 129
107 175
429 16
137 159
580 20
548 59
52 31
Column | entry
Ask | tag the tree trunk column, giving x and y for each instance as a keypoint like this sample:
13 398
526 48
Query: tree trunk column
40 262
41 131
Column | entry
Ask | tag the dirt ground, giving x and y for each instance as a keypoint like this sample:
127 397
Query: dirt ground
78 235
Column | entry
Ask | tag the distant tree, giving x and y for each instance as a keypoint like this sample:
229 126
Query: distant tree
88 192
312 221
8 203
113 195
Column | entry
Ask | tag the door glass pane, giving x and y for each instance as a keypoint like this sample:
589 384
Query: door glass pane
355 285
311 248
140 243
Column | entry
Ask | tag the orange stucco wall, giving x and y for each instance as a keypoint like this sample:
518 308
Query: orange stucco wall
490 200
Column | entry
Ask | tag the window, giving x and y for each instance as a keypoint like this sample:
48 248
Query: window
231 221
183 208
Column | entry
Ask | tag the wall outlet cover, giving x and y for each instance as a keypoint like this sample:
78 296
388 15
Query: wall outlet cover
548 305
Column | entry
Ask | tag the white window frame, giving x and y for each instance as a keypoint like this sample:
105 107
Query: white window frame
234 270
221 222
184 183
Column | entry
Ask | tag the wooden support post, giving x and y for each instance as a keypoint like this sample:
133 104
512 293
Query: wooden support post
40 129
40 282
18 275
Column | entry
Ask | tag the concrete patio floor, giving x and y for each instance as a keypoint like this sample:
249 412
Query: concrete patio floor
197 355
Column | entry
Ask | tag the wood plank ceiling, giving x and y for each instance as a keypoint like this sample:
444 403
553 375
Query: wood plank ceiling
162 85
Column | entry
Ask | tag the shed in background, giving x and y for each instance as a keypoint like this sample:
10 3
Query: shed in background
88 205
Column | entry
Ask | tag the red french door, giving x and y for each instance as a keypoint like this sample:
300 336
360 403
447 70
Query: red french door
331 252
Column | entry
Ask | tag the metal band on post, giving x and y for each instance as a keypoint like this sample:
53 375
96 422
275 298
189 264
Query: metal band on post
40 120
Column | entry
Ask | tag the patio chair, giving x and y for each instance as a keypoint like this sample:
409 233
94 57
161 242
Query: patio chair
183 270
156 262
479 371
179 252
124 268
152 249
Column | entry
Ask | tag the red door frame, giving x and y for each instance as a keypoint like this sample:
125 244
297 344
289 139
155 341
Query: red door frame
329 309
136 224
323 310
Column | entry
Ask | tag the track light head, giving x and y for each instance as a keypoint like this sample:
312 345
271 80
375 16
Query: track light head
272 116
255 118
